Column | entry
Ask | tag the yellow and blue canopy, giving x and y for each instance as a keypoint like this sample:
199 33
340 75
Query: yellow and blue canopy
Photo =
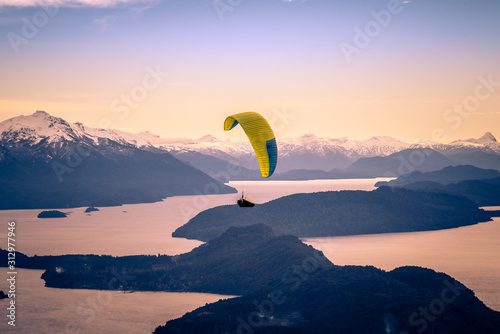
261 137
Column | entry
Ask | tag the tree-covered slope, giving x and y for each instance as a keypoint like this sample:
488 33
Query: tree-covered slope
350 299
341 213
242 260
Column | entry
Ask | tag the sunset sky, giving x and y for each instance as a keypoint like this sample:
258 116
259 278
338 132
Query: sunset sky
335 67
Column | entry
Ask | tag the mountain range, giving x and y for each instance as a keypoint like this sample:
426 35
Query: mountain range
309 156
479 185
46 162
48 151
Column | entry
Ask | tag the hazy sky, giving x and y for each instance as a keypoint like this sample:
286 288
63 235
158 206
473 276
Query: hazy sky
329 67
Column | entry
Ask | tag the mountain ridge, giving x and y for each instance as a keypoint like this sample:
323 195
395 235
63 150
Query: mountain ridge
213 156
46 162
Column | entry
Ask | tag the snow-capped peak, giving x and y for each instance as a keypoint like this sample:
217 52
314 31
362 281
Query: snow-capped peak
486 139
36 127
148 134
308 137
40 126
208 138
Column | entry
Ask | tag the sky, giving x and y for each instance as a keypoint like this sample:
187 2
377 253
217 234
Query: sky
413 70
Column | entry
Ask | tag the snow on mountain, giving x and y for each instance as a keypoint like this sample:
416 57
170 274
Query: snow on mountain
41 126
487 144
312 152
375 146
486 139
35 128
307 151
208 144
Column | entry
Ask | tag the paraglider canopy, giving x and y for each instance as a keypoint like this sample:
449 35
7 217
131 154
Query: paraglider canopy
261 137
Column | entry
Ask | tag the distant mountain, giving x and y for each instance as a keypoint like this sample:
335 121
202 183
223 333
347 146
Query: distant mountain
444 176
350 299
400 163
46 162
487 144
305 152
334 213
482 192
42 128
222 170
340 157
422 159
313 174
479 185
487 139
477 158
311 153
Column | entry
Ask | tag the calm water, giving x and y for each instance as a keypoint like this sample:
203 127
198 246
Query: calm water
62 311
469 254
142 229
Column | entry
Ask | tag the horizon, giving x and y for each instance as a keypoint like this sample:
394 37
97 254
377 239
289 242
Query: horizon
338 69
240 138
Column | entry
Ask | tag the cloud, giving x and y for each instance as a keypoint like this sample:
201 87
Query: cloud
70 3
103 23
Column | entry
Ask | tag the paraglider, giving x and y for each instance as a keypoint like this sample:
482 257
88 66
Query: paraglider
263 141
243 203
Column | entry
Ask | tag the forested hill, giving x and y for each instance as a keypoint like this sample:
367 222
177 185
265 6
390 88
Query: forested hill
480 185
242 260
287 287
341 213
448 175
350 299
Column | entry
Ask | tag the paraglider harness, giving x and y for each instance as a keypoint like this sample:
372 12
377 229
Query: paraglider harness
243 203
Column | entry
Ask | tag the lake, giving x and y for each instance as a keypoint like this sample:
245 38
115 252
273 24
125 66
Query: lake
64 311
141 228
469 254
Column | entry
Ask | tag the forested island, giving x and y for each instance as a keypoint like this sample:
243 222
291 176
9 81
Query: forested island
350 299
333 213
240 261
479 185
51 214
285 287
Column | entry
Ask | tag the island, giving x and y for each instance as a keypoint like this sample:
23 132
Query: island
479 185
285 286
91 208
334 213
447 175
350 299
51 214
